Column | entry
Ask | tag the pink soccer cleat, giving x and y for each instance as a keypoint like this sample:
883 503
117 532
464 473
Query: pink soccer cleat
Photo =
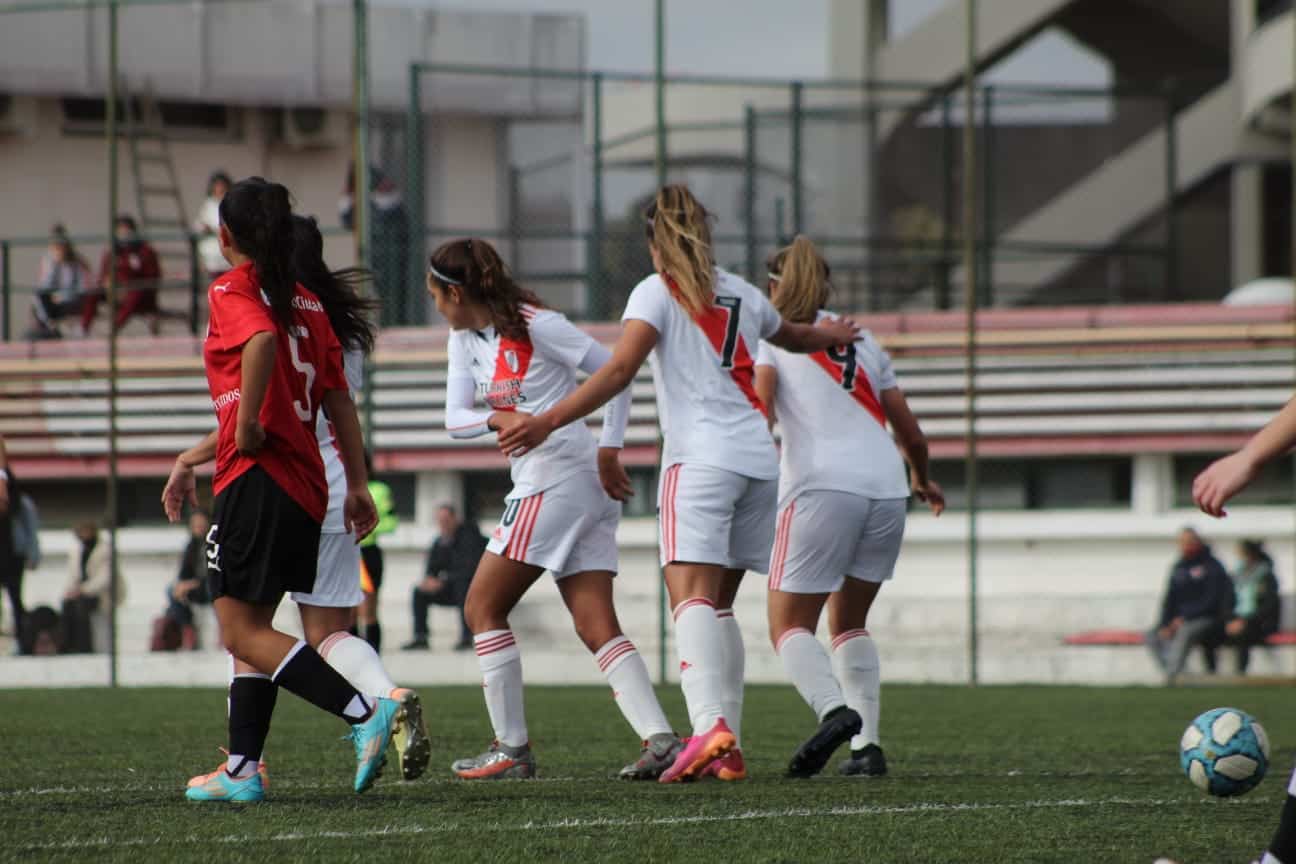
699 752
729 767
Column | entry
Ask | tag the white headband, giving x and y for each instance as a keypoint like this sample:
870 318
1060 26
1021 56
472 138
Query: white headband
441 277
775 276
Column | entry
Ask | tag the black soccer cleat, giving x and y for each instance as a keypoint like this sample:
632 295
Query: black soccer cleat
835 730
868 762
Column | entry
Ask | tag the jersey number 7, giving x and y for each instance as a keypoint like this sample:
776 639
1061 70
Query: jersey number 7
732 306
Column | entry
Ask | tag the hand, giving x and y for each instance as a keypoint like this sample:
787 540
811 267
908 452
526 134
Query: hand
180 487
502 421
526 433
844 330
615 480
1221 480
360 513
249 437
931 494
431 585
1235 627
179 592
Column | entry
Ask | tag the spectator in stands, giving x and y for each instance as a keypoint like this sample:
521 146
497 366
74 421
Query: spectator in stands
190 588
451 563
1198 601
88 587
389 246
207 226
138 276
1256 607
63 286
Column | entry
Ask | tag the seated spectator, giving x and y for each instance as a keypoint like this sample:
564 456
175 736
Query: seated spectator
138 275
207 226
451 563
190 588
87 593
1255 610
61 292
1198 600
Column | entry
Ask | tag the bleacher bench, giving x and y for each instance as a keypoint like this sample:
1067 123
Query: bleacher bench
1137 637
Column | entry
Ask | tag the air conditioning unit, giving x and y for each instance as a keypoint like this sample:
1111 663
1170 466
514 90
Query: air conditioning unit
17 114
313 128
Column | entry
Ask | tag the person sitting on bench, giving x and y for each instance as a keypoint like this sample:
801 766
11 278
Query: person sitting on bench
1198 601
1255 610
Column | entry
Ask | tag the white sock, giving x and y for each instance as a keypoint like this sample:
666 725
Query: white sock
859 672
627 674
501 665
698 641
240 767
357 662
807 663
732 670
1270 858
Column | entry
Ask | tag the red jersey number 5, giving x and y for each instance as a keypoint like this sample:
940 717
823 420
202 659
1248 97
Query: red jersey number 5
303 409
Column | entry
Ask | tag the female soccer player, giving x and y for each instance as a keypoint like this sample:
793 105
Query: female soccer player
719 466
272 362
563 511
842 500
1212 489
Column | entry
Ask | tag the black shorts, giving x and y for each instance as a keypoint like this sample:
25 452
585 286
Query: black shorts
373 562
262 544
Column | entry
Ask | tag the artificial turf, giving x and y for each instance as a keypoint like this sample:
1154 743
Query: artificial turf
995 774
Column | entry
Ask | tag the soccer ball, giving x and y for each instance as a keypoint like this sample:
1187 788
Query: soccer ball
1224 752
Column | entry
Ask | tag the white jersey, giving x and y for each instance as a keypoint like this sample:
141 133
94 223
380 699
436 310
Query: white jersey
334 522
530 375
834 429
704 375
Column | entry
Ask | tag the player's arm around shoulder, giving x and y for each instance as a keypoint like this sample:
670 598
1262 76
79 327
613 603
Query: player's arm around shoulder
767 380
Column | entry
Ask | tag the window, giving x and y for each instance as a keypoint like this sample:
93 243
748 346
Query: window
1273 486
403 492
1039 484
484 493
182 119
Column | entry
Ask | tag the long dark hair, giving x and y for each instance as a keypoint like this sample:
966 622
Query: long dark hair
258 214
339 290
476 268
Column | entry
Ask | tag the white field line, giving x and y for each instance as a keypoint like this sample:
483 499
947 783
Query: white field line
599 822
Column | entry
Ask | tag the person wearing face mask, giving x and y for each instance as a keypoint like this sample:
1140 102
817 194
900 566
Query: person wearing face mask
138 277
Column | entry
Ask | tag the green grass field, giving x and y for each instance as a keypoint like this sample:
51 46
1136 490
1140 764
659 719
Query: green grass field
994 774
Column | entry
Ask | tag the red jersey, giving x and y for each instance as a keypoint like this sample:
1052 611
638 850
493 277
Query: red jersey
308 362
134 262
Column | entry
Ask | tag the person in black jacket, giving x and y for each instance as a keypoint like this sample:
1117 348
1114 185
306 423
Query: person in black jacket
190 587
1198 600
451 563
1255 613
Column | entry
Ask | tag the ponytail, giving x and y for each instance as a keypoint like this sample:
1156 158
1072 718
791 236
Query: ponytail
802 276
476 268
339 291
258 214
679 229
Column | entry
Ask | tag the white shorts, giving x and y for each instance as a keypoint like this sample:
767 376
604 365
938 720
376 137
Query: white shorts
709 515
337 576
568 528
825 536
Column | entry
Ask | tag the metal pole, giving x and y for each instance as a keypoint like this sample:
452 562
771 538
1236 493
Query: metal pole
798 204
195 284
749 188
110 131
414 177
986 281
597 288
970 305
6 287
944 290
360 199
1170 288
659 83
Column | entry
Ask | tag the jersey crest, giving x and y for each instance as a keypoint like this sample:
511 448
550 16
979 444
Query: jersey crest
511 364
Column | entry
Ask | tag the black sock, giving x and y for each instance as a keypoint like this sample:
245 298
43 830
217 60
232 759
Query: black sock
305 674
1283 845
251 705
373 635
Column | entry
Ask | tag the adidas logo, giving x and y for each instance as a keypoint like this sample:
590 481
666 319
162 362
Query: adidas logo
685 665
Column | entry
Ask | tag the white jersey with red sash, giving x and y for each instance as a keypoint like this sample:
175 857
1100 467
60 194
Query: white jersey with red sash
829 408
704 375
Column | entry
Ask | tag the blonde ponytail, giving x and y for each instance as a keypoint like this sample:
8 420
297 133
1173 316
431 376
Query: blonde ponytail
679 230
802 277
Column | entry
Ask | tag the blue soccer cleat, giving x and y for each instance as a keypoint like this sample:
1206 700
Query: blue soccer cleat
220 786
372 738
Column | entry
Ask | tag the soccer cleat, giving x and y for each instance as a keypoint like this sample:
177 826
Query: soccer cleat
371 739
413 747
700 751
868 762
220 786
500 762
206 778
658 754
729 767
837 728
